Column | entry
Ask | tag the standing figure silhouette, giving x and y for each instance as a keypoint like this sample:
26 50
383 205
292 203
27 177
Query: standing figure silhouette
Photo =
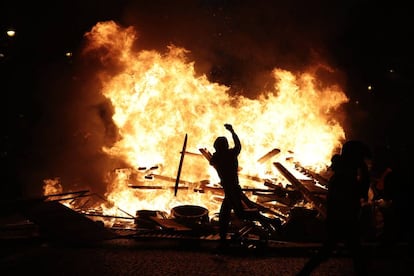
347 190
225 161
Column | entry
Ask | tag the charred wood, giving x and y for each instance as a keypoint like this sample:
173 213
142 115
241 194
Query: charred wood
317 203
322 180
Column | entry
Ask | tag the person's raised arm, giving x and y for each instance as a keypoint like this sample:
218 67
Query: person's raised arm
237 144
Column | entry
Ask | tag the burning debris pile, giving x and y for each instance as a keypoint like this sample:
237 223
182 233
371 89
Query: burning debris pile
159 98
297 202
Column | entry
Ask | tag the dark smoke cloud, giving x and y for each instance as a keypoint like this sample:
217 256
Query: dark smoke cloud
74 123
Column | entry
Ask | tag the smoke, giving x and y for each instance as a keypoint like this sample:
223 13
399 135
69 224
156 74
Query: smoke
235 42
74 123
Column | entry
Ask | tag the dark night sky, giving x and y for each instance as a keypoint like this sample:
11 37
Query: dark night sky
232 41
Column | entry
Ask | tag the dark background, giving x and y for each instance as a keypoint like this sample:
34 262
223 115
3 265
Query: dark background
234 42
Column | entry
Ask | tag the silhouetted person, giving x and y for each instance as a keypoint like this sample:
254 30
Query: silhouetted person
394 204
225 161
347 190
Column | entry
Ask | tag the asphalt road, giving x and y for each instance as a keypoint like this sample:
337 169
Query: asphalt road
177 257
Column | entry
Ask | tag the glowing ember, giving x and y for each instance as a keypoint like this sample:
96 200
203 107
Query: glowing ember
158 98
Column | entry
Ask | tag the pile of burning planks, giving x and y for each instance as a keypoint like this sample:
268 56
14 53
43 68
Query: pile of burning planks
283 202
290 199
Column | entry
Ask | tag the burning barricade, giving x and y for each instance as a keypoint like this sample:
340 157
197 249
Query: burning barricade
297 203
156 97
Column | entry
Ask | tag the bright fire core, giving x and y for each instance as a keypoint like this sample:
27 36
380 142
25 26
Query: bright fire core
158 98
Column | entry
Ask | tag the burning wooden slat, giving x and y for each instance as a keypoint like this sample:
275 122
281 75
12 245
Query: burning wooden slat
65 196
268 197
171 179
268 155
322 180
319 206
312 186
153 187
205 153
193 154
146 170
165 178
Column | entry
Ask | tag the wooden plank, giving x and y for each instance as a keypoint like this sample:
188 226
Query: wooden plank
205 153
318 204
177 181
268 155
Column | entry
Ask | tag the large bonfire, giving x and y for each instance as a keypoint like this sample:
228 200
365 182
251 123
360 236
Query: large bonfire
158 100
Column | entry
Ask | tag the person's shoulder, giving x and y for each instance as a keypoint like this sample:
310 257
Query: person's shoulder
235 150
336 162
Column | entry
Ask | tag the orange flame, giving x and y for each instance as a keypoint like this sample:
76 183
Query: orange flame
52 186
158 98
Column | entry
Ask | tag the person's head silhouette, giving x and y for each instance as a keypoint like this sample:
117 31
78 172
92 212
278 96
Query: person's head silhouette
221 144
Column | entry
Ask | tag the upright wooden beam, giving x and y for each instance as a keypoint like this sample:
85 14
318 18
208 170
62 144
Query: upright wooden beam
177 180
